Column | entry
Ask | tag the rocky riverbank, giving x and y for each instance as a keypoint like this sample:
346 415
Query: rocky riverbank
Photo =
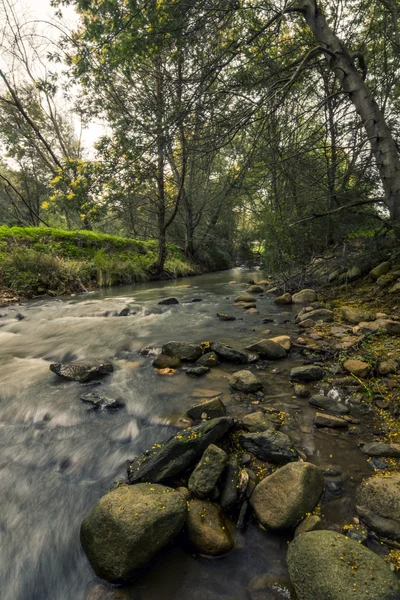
233 465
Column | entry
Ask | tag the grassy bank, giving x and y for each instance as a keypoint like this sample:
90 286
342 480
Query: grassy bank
38 260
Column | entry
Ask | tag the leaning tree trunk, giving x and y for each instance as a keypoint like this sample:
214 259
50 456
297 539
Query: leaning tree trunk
352 82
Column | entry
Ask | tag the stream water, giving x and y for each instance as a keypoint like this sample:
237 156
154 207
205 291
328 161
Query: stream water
57 457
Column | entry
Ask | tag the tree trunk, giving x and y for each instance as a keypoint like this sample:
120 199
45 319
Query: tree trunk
383 145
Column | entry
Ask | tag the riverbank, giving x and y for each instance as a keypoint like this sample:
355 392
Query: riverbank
35 261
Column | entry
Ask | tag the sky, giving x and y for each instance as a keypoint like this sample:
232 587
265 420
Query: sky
42 12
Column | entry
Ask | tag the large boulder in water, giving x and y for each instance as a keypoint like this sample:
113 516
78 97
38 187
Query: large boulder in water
304 297
306 374
381 496
283 499
82 370
207 528
267 349
184 351
245 381
269 445
128 526
324 565
179 453
228 353
212 408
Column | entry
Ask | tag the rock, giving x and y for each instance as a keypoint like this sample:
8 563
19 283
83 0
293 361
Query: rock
102 402
311 523
387 366
212 408
82 370
124 312
319 314
246 298
395 289
207 472
168 301
356 367
334 275
196 300
270 587
392 327
230 491
355 316
210 359
379 449
197 371
284 299
252 311
282 340
179 453
385 280
245 305
270 445
381 269
225 317
325 565
324 420
255 289
381 495
245 381
183 351
301 391
163 361
267 349
228 353
128 526
184 493
284 498
353 274
306 374
329 404
387 528
257 422
307 323
207 529
304 297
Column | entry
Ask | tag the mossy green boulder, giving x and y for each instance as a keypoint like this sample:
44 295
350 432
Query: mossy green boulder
128 526
324 565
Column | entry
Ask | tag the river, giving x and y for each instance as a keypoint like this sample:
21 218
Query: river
57 457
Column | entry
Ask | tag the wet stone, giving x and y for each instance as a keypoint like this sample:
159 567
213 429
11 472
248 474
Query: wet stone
324 420
212 408
245 381
197 371
329 404
270 445
82 370
169 301
307 374
207 472
228 353
225 317
101 402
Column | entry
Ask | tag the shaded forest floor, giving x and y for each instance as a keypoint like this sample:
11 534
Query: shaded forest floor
35 261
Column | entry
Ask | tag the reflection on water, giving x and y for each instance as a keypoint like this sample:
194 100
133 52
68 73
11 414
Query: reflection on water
57 457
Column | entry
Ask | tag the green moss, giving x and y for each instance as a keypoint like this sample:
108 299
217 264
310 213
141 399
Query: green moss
37 260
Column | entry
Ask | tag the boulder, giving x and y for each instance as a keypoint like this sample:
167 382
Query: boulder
197 371
168 301
307 323
257 422
252 311
245 305
283 499
304 297
387 528
356 367
212 408
382 269
163 361
225 317
355 316
267 349
307 374
301 391
128 526
245 298
255 289
228 353
207 472
381 495
245 381
380 449
284 299
82 370
387 366
209 359
230 491
311 523
324 420
184 351
319 314
353 274
329 404
282 340
334 275
179 453
392 327
325 565
102 402
207 528
395 289
269 445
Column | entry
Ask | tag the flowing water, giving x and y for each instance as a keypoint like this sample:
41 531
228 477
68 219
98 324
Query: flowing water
57 457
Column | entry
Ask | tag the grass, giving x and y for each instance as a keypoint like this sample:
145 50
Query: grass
38 260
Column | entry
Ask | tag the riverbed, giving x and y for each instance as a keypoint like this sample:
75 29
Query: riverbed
57 457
